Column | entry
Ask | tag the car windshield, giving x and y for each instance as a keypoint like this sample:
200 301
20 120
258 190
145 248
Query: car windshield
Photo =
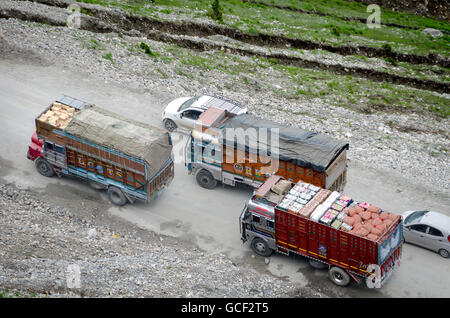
188 103
414 217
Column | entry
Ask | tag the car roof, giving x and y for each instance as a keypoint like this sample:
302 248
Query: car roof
206 101
436 219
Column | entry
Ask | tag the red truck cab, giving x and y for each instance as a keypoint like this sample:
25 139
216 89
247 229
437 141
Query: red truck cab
35 148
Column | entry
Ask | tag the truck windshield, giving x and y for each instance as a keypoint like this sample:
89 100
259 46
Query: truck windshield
188 103
414 217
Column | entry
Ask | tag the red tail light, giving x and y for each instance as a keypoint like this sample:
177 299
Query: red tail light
448 238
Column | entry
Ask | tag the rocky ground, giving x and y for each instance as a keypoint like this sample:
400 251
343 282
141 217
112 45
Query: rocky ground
40 244
39 240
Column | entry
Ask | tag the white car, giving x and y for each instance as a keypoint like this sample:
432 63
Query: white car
428 229
184 111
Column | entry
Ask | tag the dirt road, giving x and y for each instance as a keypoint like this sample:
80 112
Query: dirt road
186 211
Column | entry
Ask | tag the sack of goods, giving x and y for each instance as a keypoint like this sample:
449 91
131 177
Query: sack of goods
338 211
367 221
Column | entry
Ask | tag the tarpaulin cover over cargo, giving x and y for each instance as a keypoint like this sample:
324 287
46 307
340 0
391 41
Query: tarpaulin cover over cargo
299 146
130 137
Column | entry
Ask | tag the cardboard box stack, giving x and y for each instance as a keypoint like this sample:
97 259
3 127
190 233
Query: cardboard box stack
59 115
337 210
303 198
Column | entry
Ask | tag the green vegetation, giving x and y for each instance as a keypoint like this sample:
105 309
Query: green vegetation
94 44
147 49
108 56
350 92
359 94
84 11
355 9
386 47
216 11
257 18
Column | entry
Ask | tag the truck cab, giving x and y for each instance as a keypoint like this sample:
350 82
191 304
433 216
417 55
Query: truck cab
257 220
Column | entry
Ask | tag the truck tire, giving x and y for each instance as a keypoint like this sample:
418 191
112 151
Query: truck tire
116 196
44 168
260 247
170 125
339 276
206 180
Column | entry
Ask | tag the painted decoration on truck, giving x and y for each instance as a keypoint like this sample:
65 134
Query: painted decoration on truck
90 165
110 171
258 174
81 161
99 169
238 168
323 250
390 244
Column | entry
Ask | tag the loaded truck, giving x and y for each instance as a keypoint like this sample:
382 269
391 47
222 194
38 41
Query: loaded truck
229 148
129 159
353 240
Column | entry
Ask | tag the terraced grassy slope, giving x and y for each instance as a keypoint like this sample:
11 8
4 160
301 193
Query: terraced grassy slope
330 29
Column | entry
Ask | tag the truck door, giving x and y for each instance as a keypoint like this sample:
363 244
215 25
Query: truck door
55 154
242 222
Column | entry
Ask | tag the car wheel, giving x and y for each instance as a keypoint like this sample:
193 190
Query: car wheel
261 247
444 253
116 196
339 276
205 179
170 125
44 167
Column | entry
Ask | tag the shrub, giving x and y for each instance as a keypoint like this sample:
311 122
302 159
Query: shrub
146 49
386 47
216 11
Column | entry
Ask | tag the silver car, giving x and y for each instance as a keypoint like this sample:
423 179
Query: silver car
183 112
428 229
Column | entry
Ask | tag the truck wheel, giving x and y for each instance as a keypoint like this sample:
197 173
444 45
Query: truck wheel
261 247
206 179
170 125
444 253
339 276
116 196
44 167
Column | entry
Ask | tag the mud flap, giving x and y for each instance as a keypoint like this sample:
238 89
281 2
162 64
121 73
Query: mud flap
358 279
129 197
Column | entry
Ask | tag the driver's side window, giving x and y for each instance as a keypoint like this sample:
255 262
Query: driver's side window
419 228
191 114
